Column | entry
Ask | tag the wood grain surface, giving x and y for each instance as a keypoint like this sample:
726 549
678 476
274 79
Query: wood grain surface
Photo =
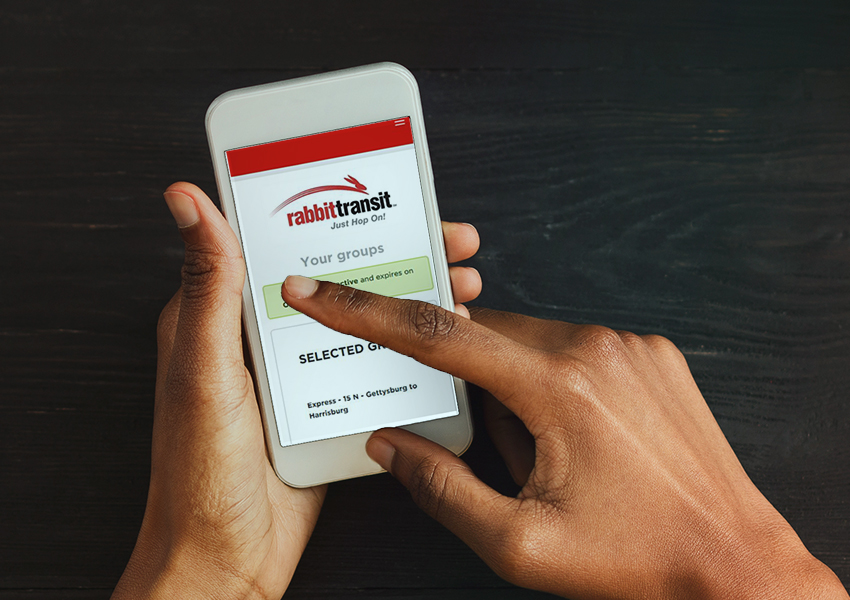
672 167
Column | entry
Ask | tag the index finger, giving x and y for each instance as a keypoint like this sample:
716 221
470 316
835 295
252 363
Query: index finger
427 333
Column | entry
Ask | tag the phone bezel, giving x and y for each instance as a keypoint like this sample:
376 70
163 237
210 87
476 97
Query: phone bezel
319 103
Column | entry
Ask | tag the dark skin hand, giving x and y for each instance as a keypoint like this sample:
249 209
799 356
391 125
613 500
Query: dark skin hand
218 521
629 487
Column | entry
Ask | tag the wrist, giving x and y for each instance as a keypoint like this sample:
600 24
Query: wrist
768 578
161 571
765 562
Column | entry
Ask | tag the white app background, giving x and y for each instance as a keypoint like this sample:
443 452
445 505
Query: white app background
360 391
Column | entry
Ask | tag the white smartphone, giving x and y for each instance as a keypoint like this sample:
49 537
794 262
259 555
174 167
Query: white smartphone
328 176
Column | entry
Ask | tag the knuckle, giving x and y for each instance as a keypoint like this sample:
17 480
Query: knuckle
658 343
350 300
664 348
430 324
204 269
602 343
631 340
430 485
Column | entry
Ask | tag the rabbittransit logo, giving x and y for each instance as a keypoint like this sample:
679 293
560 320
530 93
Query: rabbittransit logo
335 208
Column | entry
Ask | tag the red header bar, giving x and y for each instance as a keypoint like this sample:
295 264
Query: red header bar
321 146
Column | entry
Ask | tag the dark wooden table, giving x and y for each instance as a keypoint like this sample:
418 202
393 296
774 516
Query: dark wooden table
668 166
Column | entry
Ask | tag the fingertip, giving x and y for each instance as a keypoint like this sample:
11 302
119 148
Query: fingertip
199 219
474 239
475 283
461 239
381 451
300 287
190 189
466 283
182 208
203 204
461 310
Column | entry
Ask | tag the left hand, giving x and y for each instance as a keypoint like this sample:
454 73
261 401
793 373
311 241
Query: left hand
218 521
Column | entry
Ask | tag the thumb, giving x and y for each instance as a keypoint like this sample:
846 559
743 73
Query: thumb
444 487
207 331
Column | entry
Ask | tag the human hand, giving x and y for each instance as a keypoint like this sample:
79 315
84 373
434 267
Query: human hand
629 487
218 521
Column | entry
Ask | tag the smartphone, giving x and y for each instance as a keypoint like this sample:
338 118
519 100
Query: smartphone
329 177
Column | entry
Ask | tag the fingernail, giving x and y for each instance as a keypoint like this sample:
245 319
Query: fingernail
382 452
300 287
182 208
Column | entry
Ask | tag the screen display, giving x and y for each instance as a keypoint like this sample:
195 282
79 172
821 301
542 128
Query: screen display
343 206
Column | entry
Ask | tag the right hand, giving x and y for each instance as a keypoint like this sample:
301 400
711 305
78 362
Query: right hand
629 487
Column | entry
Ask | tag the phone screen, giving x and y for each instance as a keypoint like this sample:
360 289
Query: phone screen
343 206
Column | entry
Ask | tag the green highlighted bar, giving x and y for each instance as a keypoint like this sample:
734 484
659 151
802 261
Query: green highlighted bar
397 278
